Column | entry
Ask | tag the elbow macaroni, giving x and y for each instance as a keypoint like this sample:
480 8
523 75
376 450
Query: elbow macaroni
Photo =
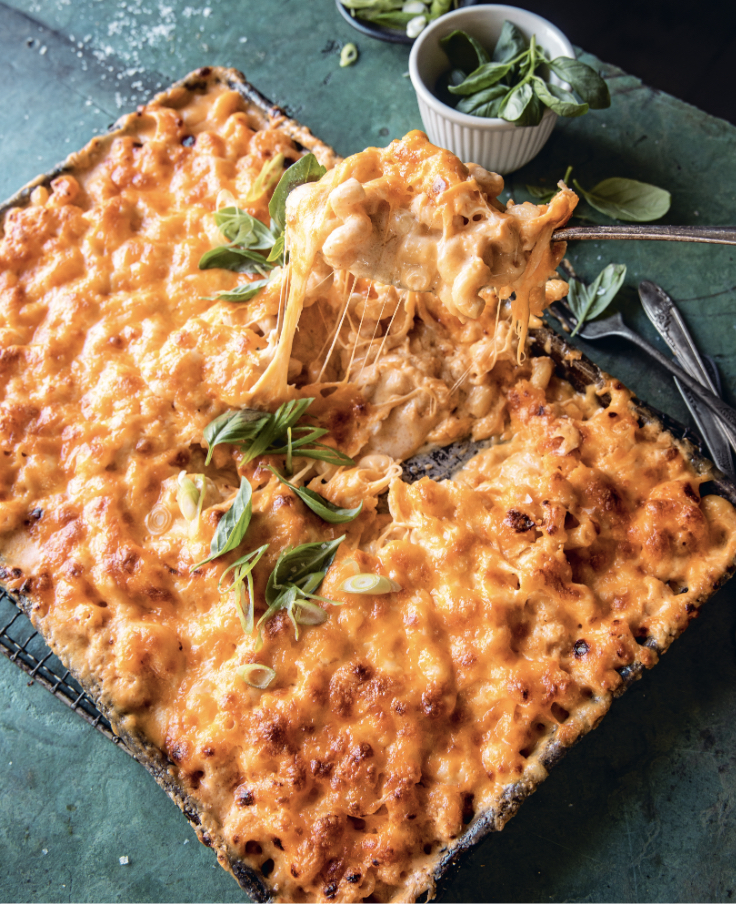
528 582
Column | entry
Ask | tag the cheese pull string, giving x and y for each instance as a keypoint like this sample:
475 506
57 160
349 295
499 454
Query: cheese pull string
710 235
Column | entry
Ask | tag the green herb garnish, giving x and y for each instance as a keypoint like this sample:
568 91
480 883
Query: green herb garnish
296 577
367 583
241 293
253 247
260 433
270 173
233 524
587 302
411 15
243 571
510 83
257 675
348 55
306 169
627 199
326 510
620 199
233 427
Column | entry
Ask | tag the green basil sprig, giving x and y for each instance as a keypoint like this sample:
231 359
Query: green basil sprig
395 14
515 71
241 293
253 247
233 427
620 199
243 571
627 199
326 510
261 433
233 524
293 583
587 302
306 169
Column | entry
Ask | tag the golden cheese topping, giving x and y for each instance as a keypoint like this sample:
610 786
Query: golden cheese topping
529 582
414 216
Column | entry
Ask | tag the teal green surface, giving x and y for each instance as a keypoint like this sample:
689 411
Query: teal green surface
643 809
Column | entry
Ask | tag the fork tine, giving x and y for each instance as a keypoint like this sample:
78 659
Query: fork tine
562 312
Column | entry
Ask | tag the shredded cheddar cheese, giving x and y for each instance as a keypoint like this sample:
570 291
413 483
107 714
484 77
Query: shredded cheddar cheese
349 763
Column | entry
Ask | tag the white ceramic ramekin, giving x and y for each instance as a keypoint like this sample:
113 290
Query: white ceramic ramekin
497 145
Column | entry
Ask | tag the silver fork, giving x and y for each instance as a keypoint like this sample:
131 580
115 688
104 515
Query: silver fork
615 326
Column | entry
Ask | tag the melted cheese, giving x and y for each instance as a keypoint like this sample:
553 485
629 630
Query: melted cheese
528 582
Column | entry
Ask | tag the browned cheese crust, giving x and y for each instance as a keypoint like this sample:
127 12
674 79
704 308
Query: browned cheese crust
408 722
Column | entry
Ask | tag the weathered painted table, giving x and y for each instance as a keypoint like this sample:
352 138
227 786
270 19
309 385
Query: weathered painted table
643 809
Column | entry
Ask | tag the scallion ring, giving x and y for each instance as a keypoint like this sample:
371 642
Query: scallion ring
369 583
348 55
158 520
188 497
257 675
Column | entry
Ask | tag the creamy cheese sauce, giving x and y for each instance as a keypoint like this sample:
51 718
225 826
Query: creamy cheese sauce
528 582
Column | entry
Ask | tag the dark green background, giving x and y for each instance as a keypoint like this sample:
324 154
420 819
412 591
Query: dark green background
645 808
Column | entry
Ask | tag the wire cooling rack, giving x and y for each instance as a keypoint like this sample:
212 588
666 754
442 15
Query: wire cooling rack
23 645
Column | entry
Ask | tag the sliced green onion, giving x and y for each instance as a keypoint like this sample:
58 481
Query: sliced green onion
257 675
269 175
158 520
369 583
348 55
416 26
309 613
352 565
188 497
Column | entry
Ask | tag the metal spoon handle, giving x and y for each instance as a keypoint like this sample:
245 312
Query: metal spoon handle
712 235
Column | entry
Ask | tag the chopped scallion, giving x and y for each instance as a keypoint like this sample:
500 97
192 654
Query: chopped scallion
257 675
369 583
158 520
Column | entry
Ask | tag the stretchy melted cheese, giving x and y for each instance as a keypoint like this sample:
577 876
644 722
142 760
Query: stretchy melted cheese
527 582
414 216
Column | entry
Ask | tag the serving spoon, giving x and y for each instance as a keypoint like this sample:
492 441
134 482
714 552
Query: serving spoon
711 235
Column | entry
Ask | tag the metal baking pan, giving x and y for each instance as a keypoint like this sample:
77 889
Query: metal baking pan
22 645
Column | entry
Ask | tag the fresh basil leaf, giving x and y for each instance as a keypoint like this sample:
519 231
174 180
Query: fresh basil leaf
270 173
584 81
277 252
233 427
240 228
243 571
276 426
306 169
557 99
456 76
604 288
373 4
326 510
241 293
516 102
262 433
587 302
463 51
439 8
477 104
511 43
483 77
448 77
296 566
386 19
627 199
533 113
542 194
238 260
233 524
321 452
